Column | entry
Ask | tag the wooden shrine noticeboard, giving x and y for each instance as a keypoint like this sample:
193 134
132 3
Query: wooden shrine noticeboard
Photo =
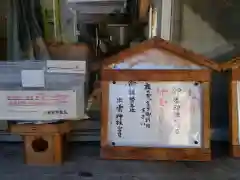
163 118
156 103
234 105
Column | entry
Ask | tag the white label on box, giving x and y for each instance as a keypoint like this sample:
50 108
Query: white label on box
155 114
58 66
32 78
38 105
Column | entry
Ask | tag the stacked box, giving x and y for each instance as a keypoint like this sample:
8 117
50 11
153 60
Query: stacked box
42 90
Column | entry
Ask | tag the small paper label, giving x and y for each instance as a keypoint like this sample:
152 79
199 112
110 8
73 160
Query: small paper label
71 67
32 78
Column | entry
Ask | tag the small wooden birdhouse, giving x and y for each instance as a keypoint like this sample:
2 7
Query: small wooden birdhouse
234 104
43 143
156 104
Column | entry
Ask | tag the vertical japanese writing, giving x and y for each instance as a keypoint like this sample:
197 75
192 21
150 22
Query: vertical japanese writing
119 116
146 112
176 109
132 96
195 100
162 93
143 116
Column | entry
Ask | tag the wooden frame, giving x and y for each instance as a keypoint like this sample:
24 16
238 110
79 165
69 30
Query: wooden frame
203 76
156 75
233 114
233 104
161 44
179 154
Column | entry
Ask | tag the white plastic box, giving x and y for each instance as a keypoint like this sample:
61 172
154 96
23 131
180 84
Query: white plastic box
42 90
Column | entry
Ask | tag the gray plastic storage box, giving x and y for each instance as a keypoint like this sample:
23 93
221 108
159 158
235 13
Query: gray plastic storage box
42 90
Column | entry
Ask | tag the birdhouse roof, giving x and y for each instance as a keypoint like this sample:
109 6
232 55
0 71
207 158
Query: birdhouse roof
233 64
164 47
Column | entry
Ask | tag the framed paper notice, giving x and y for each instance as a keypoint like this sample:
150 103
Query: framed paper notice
155 114
156 103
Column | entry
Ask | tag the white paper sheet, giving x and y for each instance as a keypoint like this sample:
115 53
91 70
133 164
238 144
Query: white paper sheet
40 105
165 129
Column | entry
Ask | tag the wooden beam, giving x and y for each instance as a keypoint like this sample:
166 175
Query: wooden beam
156 75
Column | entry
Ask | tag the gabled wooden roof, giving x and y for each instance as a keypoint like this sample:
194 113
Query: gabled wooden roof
233 64
158 43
